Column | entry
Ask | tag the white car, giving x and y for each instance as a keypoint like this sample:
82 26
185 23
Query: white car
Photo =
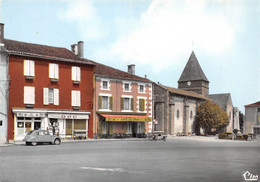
41 136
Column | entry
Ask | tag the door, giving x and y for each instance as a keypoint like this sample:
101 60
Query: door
68 127
134 129
37 125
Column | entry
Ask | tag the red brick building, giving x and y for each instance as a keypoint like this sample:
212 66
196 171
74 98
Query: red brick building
50 88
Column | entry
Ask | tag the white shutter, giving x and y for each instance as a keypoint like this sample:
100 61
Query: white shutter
45 96
29 95
51 70
78 98
56 71
26 68
32 68
73 98
56 96
78 74
73 73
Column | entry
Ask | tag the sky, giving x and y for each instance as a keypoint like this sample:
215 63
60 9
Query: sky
157 36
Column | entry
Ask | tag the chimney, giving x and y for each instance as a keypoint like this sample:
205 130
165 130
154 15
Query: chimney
74 48
81 49
2 34
131 69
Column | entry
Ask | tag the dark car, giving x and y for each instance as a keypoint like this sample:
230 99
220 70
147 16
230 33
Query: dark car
41 136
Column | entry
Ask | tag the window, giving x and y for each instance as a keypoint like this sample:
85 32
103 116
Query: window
29 68
76 74
75 98
50 96
1 123
105 84
127 103
178 114
141 88
258 109
29 95
141 104
54 71
126 86
105 102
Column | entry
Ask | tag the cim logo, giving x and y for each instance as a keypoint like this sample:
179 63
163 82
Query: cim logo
250 177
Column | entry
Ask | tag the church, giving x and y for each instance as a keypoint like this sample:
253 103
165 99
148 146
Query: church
175 108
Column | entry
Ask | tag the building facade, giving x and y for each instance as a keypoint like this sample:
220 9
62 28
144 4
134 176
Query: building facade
50 88
252 119
123 103
4 87
175 110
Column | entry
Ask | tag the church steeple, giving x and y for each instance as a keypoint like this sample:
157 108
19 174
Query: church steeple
193 77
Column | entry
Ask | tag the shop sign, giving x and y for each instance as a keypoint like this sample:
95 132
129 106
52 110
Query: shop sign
128 119
68 116
30 115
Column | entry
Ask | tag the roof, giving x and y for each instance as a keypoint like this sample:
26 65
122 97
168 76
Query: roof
184 92
220 99
253 105
107 71
42 51
192 70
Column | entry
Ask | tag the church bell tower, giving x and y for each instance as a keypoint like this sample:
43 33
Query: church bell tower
193 78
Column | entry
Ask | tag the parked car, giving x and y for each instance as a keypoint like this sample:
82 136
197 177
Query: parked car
225 135
41 136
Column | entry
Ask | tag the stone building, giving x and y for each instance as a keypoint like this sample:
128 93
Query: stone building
252 119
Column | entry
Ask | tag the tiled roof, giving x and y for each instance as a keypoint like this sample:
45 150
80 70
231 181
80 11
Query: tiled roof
38 50
184 92
254 104
192 70
220 99
107 71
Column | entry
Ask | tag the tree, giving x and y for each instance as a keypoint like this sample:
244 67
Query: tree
210 116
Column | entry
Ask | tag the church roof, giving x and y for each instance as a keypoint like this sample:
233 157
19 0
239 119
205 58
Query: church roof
192 70
221 99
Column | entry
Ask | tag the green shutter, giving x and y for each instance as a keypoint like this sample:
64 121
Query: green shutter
141 104
99 102
111 103
122 103
144 127
132 104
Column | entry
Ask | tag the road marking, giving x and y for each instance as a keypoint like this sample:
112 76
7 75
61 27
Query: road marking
104 169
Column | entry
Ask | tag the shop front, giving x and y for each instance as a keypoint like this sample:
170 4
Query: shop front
122 126
59 122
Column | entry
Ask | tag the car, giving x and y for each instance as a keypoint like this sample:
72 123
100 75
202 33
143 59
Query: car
225 135
35 137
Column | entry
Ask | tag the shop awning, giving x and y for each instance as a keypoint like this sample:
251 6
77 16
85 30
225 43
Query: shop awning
126 118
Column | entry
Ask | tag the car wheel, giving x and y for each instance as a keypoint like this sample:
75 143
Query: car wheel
57 141
27 143
34 143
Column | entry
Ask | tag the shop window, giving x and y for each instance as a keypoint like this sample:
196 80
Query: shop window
20 128
29 95
53 72
75 98
29 69
50 96
76 75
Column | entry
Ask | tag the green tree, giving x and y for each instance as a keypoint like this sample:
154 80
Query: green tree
210 116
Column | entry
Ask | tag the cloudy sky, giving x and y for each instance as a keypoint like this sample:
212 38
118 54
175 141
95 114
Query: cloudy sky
157 36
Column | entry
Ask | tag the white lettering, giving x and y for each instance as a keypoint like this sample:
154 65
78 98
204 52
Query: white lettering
250 177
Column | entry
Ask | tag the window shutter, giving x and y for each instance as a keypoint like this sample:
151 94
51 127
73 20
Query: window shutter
26 68
56 96
122 103
141 104
32 95
31 68
73 73
78 74
29 95
73 98
132 104
51 70
111 103
26 95
56 71
99 102
45 96
78 98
